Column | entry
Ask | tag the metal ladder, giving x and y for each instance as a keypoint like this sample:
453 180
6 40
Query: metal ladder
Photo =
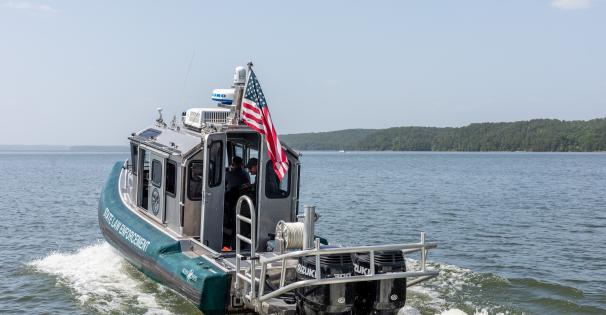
250 278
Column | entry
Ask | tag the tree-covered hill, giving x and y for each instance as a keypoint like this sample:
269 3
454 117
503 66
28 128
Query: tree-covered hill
534 135
332 140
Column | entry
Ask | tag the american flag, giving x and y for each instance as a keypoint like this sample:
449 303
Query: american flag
255 114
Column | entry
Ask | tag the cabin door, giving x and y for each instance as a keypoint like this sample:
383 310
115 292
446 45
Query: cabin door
156 187
213 191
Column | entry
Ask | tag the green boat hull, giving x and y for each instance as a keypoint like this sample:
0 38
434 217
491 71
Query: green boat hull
158 255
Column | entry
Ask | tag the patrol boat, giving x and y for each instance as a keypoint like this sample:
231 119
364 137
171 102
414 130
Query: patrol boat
254 250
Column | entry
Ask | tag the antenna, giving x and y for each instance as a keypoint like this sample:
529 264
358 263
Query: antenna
240 80
160 120
191 62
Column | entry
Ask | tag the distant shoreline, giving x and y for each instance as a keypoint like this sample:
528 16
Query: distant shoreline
65 148
537 135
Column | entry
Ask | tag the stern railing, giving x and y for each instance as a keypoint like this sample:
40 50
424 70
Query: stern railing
261 263
419 275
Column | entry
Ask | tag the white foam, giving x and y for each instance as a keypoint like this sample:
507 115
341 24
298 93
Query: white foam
100 278
439 293
438 290
408 310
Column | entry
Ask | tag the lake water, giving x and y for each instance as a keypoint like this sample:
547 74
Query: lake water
517 232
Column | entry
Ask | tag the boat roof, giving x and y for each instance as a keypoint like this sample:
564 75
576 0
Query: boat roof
169 140
182 141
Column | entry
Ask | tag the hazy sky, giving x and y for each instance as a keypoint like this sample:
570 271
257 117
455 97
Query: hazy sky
84 72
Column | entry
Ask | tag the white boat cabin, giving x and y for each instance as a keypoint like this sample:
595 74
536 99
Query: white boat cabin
178 175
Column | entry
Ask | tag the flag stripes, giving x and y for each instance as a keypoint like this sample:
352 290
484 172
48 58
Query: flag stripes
255 114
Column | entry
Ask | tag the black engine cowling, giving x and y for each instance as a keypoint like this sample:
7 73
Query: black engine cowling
382 296
326 299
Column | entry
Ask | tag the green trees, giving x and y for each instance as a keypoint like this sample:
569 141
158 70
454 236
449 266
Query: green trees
535 135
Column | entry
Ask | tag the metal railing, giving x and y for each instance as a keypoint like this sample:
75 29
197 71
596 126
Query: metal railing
258 297
420 275
252 242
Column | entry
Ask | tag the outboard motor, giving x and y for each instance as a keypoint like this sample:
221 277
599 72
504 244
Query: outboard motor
325 299
382 296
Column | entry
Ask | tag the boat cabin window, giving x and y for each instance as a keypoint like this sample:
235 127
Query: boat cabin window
215 166
239 150
144 178
194 178
252 153
171 178
275 188
156 173
134 157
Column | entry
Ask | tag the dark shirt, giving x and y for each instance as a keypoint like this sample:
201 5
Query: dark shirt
234 178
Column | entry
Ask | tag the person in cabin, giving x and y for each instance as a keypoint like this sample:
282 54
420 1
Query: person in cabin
236 177
252 170
272 183
252 166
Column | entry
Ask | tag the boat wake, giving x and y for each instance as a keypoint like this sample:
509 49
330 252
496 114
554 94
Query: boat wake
104 282
456 291
462 291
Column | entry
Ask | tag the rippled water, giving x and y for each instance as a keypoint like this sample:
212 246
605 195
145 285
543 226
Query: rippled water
517 232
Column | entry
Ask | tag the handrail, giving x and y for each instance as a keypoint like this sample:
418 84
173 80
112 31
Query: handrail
313 282
252 241
251 278
347 250
421 275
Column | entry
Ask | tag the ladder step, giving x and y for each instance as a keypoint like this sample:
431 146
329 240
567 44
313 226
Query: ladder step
244 239
247 278
243 277
243 218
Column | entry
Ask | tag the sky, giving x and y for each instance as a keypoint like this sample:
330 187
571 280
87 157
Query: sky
92 72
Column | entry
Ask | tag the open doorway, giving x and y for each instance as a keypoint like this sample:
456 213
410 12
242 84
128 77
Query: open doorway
242 160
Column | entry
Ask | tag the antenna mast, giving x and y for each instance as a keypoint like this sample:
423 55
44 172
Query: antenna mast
240 80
